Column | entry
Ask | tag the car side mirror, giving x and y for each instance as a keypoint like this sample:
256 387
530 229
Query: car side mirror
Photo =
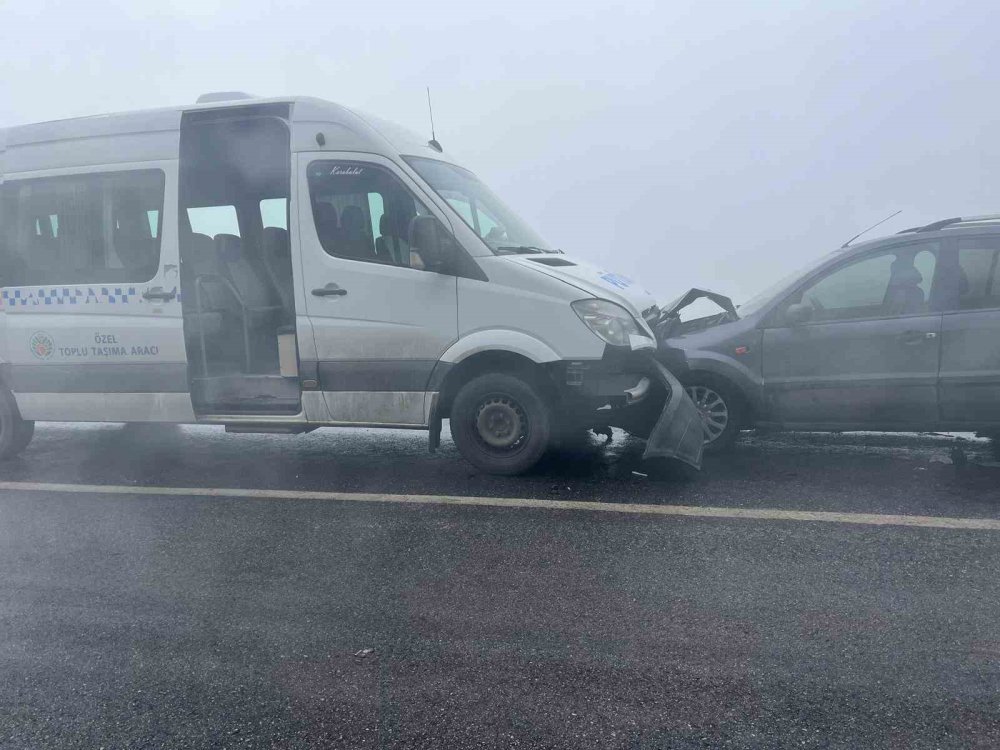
798 313
433 242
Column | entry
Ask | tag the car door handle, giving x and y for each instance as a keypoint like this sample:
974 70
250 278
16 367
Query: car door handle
330 290
158 293
912 338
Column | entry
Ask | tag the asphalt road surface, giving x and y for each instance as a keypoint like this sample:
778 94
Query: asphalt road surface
394 614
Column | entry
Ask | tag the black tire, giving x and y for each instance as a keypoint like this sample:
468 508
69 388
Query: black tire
714 397
521 421
15 433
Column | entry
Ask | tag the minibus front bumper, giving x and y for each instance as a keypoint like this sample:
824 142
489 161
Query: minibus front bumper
634 392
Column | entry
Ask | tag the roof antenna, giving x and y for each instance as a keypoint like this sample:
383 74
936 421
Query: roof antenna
433 141
870 228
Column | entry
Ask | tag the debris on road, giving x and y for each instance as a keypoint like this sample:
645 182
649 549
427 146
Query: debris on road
364 652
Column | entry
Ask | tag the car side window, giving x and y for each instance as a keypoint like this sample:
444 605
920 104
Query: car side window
363 212
968 277
892 283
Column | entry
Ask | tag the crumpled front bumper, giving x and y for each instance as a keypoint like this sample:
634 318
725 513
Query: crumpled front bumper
635 392
679 432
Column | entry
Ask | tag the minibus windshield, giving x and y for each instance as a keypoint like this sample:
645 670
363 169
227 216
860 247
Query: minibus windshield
499 227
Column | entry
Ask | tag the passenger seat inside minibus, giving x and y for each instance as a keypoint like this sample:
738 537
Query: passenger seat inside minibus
277 262
356 239
261 306
133 241
212 317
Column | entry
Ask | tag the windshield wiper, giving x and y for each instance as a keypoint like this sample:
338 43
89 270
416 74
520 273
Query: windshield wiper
520 250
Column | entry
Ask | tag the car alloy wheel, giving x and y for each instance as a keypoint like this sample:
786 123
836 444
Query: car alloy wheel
713 409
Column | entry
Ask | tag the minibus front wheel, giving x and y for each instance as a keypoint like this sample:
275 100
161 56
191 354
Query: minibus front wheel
15 433
500 423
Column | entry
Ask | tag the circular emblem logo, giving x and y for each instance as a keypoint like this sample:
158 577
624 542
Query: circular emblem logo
41 345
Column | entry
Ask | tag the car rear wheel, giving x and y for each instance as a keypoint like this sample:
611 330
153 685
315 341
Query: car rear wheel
720 412
500 423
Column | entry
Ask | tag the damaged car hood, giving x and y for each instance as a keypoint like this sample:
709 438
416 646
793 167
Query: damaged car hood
670 324
692 295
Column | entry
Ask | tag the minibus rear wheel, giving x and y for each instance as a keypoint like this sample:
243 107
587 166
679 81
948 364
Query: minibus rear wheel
15 433
500 423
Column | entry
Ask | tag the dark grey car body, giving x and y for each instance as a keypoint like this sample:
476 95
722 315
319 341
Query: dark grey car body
924 354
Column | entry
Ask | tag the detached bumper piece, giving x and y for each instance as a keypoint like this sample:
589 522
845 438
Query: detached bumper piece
679 432
633 391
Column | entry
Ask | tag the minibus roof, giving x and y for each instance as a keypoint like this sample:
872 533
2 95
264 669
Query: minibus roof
154 134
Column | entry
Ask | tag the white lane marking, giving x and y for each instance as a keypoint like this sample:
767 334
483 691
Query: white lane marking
759 514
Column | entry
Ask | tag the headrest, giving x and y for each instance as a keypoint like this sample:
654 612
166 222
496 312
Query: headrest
275 240
384 227
200 244
229 247
352 219
399 218
906 277
201 254
326 215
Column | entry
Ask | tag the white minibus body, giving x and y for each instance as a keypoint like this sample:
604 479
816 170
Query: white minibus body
277 265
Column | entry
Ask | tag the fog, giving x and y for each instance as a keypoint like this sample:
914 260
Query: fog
681 144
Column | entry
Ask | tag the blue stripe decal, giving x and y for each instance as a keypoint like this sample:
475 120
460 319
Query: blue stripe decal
89 295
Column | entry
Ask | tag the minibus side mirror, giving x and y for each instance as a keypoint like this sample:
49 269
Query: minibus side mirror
798 313
434 243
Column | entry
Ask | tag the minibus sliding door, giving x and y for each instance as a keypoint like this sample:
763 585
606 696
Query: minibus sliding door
236 268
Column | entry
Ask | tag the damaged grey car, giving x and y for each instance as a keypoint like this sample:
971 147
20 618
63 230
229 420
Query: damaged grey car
895 334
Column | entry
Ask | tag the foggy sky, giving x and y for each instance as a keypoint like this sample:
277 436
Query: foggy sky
679 143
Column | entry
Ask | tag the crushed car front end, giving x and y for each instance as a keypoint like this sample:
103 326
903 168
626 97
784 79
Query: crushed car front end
632 391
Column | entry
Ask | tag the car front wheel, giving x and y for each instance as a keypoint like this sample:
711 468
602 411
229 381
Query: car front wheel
500 423
720 412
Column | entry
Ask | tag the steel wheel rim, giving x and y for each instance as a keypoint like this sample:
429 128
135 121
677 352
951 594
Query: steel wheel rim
501 424
713 410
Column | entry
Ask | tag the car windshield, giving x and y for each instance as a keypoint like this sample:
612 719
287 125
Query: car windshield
499 227
760 299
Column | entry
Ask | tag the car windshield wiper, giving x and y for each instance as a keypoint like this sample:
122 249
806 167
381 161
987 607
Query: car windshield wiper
520 250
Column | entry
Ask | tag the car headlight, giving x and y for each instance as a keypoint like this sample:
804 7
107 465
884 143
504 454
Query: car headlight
612 323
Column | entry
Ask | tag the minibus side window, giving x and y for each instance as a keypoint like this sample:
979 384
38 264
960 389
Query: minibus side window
274 213
93 228
363 212
376 210
213 220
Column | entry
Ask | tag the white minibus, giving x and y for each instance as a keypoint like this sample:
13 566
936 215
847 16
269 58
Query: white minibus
278 265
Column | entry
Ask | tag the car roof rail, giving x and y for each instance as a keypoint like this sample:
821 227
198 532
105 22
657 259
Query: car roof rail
953 222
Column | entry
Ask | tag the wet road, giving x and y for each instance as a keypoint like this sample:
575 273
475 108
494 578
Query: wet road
189 621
